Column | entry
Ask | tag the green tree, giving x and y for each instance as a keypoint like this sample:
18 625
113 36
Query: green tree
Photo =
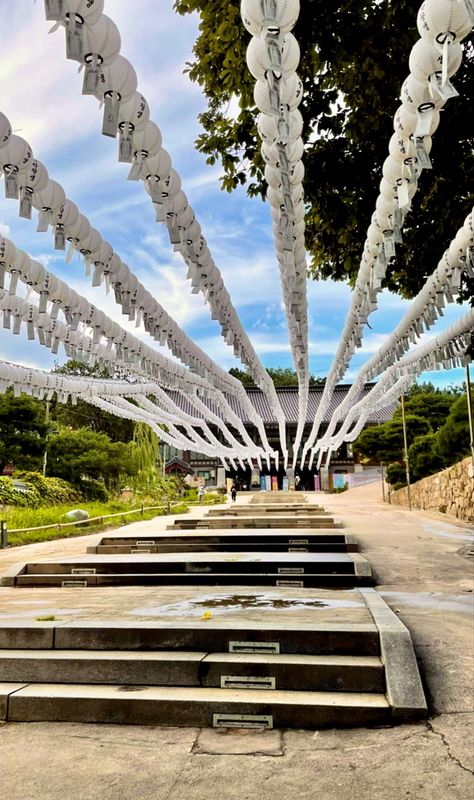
431 405
385 442
452 441
424 458
23 431
77 454
281 376
85 415
354 58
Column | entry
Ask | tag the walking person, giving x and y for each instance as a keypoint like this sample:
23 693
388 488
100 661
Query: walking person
233 492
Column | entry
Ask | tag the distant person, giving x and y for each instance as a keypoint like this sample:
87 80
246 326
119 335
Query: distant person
233 492
297 482
200 494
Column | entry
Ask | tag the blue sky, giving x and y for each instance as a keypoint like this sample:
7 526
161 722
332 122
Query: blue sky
40 92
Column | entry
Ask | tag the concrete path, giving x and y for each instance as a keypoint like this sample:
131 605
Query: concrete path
424 572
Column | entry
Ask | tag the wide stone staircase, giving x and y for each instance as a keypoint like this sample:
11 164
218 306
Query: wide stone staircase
269 629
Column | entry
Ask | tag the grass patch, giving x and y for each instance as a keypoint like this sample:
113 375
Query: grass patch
54 515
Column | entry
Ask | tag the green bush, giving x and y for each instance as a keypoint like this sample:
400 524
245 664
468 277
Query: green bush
396 475
52 491
11 496
94 491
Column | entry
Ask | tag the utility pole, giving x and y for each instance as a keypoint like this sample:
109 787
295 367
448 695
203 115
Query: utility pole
405 444
45 454
470 414
164 458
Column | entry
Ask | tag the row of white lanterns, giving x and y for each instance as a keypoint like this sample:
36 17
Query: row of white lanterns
440 288
272 58
434 59
93 40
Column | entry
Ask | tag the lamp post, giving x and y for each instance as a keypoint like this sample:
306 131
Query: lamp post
405 445
470 414
45 454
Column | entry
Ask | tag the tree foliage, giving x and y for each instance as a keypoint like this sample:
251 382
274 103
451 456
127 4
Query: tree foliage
23 430
85 415
281 376
385 442
77 454
442 440
354 58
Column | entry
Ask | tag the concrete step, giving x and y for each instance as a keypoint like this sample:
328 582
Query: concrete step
197 562
195 707
242 511
222 568
133 546
223 523
189 668
263 638
300 580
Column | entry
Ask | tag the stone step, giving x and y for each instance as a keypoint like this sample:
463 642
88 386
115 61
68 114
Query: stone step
204 562
182 668
222 523
302 580
249 511
361 639
134 546
194 707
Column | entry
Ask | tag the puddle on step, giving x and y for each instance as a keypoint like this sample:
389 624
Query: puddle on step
457 603
240 602
448 531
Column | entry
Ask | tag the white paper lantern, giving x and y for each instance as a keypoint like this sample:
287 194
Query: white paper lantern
101 41
88 11
259 59
51 198
5 130
117 80
269 17
439 21
271 153
290 94
416 96
16 155
425 60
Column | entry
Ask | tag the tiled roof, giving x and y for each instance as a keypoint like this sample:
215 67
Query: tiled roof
288 397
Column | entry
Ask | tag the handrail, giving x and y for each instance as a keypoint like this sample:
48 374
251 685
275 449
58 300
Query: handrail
102 517
60 525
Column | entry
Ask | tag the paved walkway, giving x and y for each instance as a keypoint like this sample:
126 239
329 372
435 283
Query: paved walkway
424 572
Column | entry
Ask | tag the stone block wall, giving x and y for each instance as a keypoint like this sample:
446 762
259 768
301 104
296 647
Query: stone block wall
450 491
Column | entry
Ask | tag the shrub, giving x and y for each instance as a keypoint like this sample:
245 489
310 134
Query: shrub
52 491
11 496
93 491
396 475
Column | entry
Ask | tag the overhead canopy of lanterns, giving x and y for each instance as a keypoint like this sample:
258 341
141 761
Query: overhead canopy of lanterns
62 317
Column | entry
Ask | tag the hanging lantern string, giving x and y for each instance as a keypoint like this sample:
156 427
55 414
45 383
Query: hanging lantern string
272 59
94 42
70 225
121 347
434 60
441 288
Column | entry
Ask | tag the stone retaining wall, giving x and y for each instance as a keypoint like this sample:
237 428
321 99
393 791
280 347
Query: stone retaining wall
450 491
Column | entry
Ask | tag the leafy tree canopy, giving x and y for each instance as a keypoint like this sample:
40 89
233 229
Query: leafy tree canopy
281 376
433 406
385 442
23 430
85 415
77 454
354 58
